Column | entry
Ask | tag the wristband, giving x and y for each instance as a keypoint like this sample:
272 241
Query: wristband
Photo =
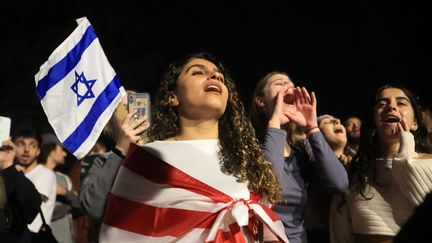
310 129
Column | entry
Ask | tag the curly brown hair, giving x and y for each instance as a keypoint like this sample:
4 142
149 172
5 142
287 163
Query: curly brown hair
241 157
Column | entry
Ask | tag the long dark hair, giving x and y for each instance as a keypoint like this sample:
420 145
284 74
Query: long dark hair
240 153
362 170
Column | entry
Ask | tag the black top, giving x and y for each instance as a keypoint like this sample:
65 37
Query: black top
23 203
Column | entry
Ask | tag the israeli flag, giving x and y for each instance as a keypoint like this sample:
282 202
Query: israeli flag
78 89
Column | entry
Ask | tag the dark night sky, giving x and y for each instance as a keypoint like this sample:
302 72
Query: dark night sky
341 51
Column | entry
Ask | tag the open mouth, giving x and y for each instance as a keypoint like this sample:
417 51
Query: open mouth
338 130
213 87
391 119
289 99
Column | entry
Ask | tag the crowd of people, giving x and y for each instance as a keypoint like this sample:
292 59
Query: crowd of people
212 171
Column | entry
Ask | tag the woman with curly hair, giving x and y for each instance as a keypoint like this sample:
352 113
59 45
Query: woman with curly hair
390 175
276 104
204 177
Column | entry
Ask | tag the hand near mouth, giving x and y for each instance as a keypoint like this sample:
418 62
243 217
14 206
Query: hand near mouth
280 109
304 113
402 124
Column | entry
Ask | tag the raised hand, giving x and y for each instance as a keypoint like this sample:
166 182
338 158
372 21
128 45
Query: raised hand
402 124
283 103
129 131
305 113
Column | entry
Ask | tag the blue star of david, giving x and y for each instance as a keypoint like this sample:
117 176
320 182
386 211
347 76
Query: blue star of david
80 78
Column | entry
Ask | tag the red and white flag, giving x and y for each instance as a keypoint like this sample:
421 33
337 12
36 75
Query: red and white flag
174 191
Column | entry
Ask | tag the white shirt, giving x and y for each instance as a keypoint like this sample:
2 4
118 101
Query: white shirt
403 183
45 182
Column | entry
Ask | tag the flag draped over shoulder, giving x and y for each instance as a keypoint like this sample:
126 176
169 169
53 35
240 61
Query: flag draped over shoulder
175 191
78 89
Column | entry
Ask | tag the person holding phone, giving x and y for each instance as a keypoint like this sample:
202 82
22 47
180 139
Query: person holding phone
140 102
203 178
99 170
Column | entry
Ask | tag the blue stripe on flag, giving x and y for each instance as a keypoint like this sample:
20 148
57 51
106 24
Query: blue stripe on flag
64 66
74 141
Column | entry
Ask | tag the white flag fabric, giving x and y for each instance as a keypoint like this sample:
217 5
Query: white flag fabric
175 191
78 89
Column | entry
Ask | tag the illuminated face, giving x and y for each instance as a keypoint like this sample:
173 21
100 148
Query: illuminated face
270 91
201 91
352 126
333 131
27 150
392 107
274 83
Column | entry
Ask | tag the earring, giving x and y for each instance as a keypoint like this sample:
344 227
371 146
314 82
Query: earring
171 101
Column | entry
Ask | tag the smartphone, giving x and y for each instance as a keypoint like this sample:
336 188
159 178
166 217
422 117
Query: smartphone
5 124
141 103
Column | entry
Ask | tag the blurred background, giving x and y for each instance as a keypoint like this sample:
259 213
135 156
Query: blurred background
342 51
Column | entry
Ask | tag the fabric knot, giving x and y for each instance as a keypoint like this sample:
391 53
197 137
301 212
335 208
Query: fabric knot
239 211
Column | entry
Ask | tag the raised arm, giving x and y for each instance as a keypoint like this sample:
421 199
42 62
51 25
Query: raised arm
99 175
273 147
330 171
